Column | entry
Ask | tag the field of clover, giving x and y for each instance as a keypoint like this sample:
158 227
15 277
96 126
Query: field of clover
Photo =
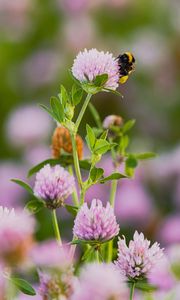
97 263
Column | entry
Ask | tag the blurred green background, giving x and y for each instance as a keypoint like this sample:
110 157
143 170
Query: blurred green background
38 42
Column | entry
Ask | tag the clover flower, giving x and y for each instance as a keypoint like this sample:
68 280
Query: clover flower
100 282
53 185
16 229
57 279
90 63
96 223
137 260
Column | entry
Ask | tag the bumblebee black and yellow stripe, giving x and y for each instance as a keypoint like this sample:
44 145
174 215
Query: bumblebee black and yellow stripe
130 57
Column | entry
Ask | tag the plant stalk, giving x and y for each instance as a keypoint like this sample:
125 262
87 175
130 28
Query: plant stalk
56 227
132 290
74 194
76 160
82 111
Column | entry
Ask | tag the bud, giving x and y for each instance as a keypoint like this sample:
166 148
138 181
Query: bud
112 120
61 140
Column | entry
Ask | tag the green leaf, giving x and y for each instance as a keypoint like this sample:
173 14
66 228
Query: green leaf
64 95
90 137
101 146
100 80
77 94
23 286
95 115
128 125
85 164
90 88
146 155
104 135
113 91
145 286
96 173
72 209
124 142
57 108
24 185
34 206
131 162
130 165
64 161
48 110
114 176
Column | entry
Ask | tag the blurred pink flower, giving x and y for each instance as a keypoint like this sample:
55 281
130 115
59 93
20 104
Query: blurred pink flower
11 194
173 254
85 36
133 203
75 6
42 68
91 63
100 282
96 223
36 154
54 185
137 260
161 275
169 230
28 125
16 230
56 274
15 17
60 256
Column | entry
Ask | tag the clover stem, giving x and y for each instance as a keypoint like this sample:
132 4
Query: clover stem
56 227
132 290
82 111
76 160
74 194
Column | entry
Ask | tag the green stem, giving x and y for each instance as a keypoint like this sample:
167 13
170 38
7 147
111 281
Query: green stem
97 256
85 104
113 192
76 160
74 194
83 191
132 291
56 227
112 202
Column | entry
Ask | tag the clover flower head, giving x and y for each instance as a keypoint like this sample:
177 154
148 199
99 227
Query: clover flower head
53 185
137 260
90 63
100 281
16 229
96 223
57 283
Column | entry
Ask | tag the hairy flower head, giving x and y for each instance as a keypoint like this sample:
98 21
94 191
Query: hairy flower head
53 185
90 63
96 223
137 260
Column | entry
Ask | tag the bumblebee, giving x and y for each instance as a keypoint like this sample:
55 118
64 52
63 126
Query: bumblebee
126 62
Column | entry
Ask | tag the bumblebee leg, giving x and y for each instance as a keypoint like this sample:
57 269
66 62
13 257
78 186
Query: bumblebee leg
123 79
